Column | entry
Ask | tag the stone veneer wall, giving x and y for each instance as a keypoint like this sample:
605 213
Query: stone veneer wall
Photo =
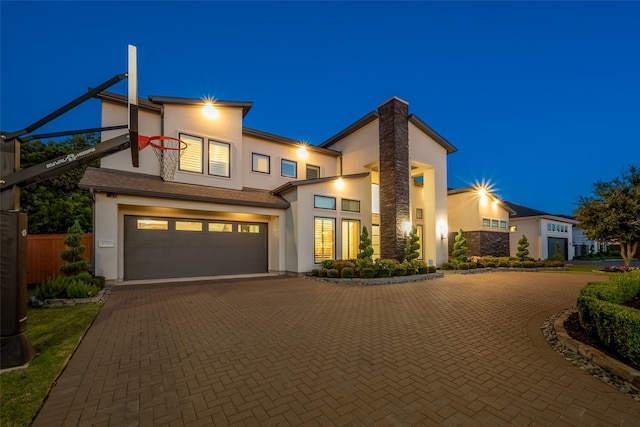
483 243
394 176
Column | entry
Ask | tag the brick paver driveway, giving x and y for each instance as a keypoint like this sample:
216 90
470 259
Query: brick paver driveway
462 350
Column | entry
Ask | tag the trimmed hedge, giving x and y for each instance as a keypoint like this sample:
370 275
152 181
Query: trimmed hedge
600 312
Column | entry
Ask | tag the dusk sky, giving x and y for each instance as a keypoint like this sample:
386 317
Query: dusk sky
541 99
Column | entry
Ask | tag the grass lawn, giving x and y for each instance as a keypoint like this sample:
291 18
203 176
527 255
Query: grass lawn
585 269
54 333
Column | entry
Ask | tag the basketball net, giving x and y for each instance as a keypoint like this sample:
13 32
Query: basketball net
168 155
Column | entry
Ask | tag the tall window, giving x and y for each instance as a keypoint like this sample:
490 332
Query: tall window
289 168
324 230
350 238
375 240
260 163
219 153
191 158
375 198
313 172
419 233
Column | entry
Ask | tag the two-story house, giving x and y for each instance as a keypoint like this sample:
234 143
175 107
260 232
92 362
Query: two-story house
243 201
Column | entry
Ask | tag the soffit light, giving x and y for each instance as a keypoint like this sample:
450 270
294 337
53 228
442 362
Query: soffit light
208 110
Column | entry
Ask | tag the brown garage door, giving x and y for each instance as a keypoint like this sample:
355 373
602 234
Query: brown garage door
160 248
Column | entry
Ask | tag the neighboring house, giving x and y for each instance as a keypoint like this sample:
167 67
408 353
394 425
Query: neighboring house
543 231
246 201
483 217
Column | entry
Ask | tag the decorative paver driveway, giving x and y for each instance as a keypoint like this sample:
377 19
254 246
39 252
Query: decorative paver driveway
461 350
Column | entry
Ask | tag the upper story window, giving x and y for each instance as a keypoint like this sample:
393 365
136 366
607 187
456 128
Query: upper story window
324 202
486 222
351 205
261 163
191 158
219 156
289 168
418 213
313 172
503 224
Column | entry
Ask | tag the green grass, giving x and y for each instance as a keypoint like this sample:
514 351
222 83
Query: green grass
580 269
54 333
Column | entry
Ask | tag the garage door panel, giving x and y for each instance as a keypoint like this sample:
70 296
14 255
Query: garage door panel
155 254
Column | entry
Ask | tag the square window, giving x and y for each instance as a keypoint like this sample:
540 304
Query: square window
191 157
486 222
494 223
503 224
418 213
219 154
261 163
324 202
313 172
351 205
289 168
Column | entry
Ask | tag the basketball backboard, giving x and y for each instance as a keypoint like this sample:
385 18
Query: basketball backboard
132 95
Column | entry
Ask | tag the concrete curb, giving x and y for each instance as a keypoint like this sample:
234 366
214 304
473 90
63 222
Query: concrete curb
594 355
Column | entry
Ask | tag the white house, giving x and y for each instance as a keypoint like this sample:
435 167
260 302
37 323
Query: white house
246 201
543 232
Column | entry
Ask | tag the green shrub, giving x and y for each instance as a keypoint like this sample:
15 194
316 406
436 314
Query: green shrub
553 263
368 272
528 264
347 273
328 263
400 271
516 264
411 267
73 256
83 276
503 263
463 266
384 272
491 264
315 272
432 269
323 272
98 281
52 288
446 266
333 273
79 289
423 269
473 265
619 289
339 265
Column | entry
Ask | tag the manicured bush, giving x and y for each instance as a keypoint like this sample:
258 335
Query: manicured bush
79 289
410 267
432 269
76 264
400 271
368 273
339 265
553 263
473 265
463 266
323 272
98 281
384 272
333 273
423 269
503 263
327 263
523 252
619 289
347 273
411 250
539 263
528 264
459 252
315 272
446 266
516 264
366 250
53 287
491 264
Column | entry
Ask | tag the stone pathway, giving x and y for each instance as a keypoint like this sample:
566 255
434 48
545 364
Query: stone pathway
460 350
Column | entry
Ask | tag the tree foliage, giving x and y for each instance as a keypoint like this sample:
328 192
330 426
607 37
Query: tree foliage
459 253
53 205
366 250
612 212
411 251
76 263
523 252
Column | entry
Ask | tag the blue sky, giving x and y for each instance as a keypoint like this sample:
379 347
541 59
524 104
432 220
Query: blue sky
541 98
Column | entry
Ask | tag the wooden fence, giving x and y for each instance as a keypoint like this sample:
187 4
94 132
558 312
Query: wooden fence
43 255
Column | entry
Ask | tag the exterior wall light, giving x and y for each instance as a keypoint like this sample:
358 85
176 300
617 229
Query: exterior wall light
339 184
513 228
209 111
443 230
302 152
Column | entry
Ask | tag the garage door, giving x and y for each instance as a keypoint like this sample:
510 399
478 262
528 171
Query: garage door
160 248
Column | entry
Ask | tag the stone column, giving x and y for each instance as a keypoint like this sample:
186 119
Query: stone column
394 177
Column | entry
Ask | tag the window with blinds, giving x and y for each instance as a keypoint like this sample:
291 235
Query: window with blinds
289 168
323 239
191 158
350 238
219 154
375 240
313 172
260 163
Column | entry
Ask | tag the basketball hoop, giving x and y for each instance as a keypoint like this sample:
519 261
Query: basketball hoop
168 151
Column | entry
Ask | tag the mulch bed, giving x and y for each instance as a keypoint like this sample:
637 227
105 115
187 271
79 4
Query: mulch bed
577 332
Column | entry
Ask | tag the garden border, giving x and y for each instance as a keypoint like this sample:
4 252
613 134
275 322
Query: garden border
359 281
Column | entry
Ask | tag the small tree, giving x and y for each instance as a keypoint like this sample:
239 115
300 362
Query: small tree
366 250
557 255
523 252
459 253
412 250
76 264
613 213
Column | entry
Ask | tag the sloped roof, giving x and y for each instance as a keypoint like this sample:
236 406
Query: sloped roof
505 205
524 212
291 184
137 184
